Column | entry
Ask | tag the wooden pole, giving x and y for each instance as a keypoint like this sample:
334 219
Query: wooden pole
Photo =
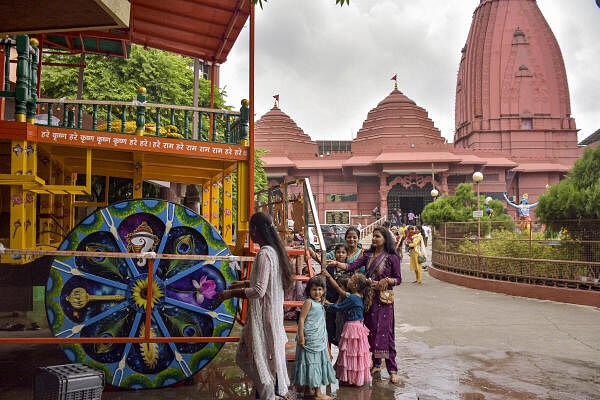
251 119
212 98
196 83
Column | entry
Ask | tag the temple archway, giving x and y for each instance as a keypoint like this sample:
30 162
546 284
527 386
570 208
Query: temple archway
412 198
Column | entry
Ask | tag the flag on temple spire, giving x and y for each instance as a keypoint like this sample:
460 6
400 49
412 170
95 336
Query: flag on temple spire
276 97
395 79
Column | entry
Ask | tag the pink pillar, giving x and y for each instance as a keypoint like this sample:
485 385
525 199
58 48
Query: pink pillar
444 183
383 192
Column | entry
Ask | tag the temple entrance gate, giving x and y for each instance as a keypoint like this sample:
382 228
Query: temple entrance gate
413 198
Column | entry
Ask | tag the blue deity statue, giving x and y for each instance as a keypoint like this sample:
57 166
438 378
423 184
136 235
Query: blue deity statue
523 208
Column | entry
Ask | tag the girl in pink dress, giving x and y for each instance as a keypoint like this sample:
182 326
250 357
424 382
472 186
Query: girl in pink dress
354 359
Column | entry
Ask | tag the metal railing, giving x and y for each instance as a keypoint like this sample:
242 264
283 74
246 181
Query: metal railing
569 258
367 230
147 119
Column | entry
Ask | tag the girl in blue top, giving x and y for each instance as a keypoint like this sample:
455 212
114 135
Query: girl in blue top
313 368
354 359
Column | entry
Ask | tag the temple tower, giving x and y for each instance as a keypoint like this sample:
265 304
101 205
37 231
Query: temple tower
276 132
512 93
396 123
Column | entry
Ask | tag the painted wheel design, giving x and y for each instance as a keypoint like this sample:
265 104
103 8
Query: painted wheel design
106 297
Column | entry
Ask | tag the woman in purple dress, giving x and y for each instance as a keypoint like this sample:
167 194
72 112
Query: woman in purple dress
383 268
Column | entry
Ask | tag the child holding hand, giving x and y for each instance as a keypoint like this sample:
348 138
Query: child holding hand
332 296
354 359
312 368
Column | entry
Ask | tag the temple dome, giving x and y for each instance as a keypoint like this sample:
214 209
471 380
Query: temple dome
512 78
396 122
277 132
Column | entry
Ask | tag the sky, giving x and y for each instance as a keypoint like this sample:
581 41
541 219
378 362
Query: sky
331 65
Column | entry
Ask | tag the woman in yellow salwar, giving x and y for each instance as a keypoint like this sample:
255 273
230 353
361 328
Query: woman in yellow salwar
417 252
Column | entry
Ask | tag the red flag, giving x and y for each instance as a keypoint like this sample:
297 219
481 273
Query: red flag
276 97
394 77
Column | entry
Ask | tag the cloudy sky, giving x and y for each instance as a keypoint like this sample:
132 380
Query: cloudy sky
331 65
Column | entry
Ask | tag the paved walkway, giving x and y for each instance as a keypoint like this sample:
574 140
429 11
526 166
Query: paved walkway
452 342
458 343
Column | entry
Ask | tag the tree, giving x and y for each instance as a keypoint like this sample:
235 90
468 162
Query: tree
460 207
168 78
574 202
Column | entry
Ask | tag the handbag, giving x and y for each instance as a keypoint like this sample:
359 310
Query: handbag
421 258
386 296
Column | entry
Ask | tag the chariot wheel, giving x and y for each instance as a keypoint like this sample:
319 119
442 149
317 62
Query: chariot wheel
106 297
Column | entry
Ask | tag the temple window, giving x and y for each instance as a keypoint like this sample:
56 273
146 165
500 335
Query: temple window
526 123
334 146
519 37
523 72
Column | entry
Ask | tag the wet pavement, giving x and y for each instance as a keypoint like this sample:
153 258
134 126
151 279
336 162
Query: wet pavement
452 343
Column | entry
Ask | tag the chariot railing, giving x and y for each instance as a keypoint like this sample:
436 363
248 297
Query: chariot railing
147 119
132 117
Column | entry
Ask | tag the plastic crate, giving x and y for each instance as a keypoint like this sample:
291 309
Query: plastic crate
68 382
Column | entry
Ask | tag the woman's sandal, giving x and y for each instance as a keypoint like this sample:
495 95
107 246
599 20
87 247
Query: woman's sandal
395 379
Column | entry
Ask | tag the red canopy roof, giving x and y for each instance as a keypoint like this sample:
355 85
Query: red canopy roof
205 29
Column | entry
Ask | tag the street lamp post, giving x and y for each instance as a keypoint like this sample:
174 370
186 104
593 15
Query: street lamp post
434 193
478 178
